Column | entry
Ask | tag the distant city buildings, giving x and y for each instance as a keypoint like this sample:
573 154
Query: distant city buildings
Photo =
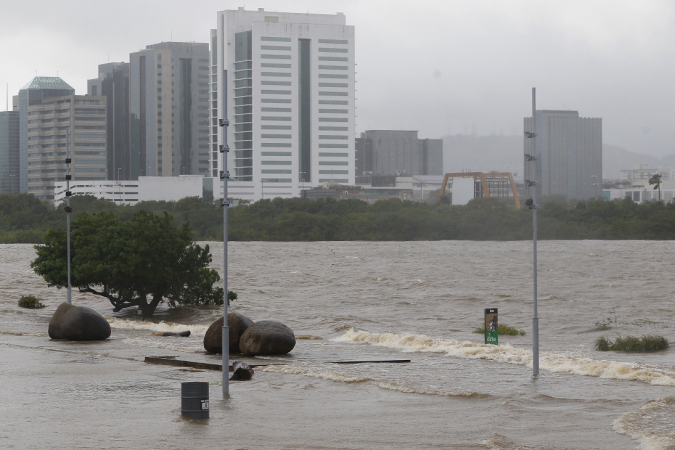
113 84
33 93
76 121
569 155
286 84
392 152
169 110
643 173
9 152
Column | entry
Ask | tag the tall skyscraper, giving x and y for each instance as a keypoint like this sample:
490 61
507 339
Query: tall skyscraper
391 152
49 123
33 93
113 84
569 155
9 152
286 84
169 110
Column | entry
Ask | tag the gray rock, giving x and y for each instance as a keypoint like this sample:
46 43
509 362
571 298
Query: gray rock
213 339
267 337
77 323
185 333
242 371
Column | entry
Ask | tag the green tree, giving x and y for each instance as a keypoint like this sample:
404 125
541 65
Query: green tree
655 181
140 262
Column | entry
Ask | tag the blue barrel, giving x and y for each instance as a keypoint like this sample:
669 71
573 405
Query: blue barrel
195 400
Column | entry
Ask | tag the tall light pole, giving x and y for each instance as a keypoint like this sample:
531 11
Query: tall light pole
68 211
532 204
225 203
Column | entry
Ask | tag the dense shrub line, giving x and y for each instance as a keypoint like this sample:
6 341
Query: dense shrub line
24 219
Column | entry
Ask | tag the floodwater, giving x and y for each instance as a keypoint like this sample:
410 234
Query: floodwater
355 300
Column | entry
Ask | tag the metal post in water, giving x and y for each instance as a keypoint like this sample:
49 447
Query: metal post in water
225 175
68 211
535 318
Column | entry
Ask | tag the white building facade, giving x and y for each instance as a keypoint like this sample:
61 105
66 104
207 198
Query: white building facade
285 81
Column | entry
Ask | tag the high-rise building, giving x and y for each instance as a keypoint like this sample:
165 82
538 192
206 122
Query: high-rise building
33 93
113 84
569 155
213 102
49 123
9 152
393 152
286 84
169 110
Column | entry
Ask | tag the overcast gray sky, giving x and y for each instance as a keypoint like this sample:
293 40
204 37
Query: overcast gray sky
437 66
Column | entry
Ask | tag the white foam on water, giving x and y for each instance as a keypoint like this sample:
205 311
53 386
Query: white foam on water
568 362
333 376
651 425
412 390
160 327
336 376
499 442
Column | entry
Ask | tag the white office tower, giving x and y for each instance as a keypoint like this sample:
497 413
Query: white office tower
286 84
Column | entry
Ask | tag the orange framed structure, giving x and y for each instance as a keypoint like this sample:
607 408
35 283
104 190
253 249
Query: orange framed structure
482 176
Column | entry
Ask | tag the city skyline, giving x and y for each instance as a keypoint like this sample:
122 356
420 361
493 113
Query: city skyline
467 67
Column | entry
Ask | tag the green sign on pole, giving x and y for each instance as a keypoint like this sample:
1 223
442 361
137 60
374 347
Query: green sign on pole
491 325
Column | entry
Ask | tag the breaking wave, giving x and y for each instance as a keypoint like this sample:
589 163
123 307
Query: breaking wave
568 362
651 424
160 327
328 375
336 376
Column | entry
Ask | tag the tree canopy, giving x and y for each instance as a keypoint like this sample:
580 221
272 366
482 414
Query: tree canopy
140 262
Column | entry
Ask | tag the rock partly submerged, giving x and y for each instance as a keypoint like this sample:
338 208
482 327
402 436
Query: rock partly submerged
78 323
213 339
267 337
242 371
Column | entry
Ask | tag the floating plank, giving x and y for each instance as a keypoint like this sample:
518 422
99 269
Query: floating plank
173 361
370 361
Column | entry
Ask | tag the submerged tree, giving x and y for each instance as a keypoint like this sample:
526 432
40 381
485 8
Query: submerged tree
141 262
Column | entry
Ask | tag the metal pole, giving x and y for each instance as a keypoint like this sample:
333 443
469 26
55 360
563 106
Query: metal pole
68 210
535 318
224 175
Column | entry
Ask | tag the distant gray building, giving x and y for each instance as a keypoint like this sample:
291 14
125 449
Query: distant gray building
113 84
169 110
569 150
9 152
33 93
49 124
391 152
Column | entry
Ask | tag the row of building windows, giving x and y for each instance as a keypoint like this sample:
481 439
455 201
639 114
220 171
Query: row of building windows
324 67
274 38
333 41
275 47
276 74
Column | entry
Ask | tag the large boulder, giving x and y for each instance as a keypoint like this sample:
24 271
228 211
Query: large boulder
267 337
77 323
213 339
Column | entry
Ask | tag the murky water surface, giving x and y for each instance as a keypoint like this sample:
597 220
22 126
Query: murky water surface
353 300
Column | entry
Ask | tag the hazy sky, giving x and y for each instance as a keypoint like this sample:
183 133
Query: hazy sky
440 67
